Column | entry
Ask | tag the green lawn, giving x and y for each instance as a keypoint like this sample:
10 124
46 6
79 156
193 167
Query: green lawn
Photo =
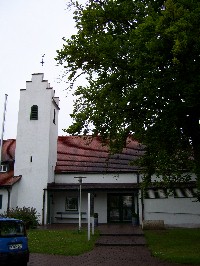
175 245
62 242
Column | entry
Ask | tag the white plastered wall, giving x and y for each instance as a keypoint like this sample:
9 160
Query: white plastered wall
98 178
36 143
174 211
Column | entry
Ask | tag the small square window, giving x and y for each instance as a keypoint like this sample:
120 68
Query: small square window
3 168
71 204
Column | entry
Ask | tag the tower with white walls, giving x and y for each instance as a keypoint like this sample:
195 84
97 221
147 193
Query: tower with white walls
36 142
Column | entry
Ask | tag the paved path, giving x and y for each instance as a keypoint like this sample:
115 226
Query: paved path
118 245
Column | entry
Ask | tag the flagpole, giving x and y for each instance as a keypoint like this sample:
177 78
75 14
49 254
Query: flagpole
3 123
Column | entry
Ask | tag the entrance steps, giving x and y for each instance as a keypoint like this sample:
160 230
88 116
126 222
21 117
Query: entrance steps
120 235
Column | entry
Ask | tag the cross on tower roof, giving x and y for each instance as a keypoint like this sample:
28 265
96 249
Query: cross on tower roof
42 62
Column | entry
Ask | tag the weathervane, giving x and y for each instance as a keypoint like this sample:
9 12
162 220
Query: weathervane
42 62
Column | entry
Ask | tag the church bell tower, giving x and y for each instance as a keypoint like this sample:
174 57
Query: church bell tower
36 142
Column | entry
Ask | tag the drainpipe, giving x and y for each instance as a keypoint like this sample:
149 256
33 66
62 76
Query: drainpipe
43 207
8 204
138 181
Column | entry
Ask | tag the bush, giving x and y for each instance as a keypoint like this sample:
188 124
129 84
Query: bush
28 215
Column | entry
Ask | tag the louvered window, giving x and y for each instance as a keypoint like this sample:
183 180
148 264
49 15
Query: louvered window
34 112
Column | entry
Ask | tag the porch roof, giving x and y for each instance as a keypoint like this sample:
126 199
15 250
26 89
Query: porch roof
92 186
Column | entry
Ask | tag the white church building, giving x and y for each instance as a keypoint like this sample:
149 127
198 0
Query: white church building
43 170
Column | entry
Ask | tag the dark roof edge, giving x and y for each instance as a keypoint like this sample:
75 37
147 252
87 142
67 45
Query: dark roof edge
97 172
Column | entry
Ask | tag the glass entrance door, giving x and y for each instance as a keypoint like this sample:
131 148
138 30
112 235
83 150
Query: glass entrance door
120 207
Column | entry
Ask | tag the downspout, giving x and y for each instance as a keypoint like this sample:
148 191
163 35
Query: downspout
43 207
138 181
8 204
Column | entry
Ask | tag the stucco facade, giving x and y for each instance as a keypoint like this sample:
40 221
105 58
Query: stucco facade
36 142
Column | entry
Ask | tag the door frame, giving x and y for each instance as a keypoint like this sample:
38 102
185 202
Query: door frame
120 195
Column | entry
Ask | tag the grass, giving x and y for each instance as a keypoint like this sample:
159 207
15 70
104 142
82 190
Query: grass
60 242
175 245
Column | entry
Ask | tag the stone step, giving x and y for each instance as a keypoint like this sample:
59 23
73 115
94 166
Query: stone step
121 234
121 241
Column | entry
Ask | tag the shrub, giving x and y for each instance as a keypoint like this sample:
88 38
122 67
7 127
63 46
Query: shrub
28 215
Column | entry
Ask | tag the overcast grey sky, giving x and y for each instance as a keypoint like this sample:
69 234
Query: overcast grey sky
29 29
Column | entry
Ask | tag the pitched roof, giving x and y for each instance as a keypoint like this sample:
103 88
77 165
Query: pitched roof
79 154
8 150
8 179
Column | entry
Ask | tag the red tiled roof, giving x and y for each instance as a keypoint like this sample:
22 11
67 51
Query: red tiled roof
8 179
83 155
78 154
8 150
8 154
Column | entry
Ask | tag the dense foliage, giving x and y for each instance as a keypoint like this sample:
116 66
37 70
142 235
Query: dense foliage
141 60
28 215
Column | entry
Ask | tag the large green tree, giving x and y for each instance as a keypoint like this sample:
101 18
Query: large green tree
141 59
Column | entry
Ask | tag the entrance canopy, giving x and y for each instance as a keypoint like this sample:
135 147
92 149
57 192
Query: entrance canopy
93 186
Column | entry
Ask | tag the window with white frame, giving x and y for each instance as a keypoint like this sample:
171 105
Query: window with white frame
3 168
